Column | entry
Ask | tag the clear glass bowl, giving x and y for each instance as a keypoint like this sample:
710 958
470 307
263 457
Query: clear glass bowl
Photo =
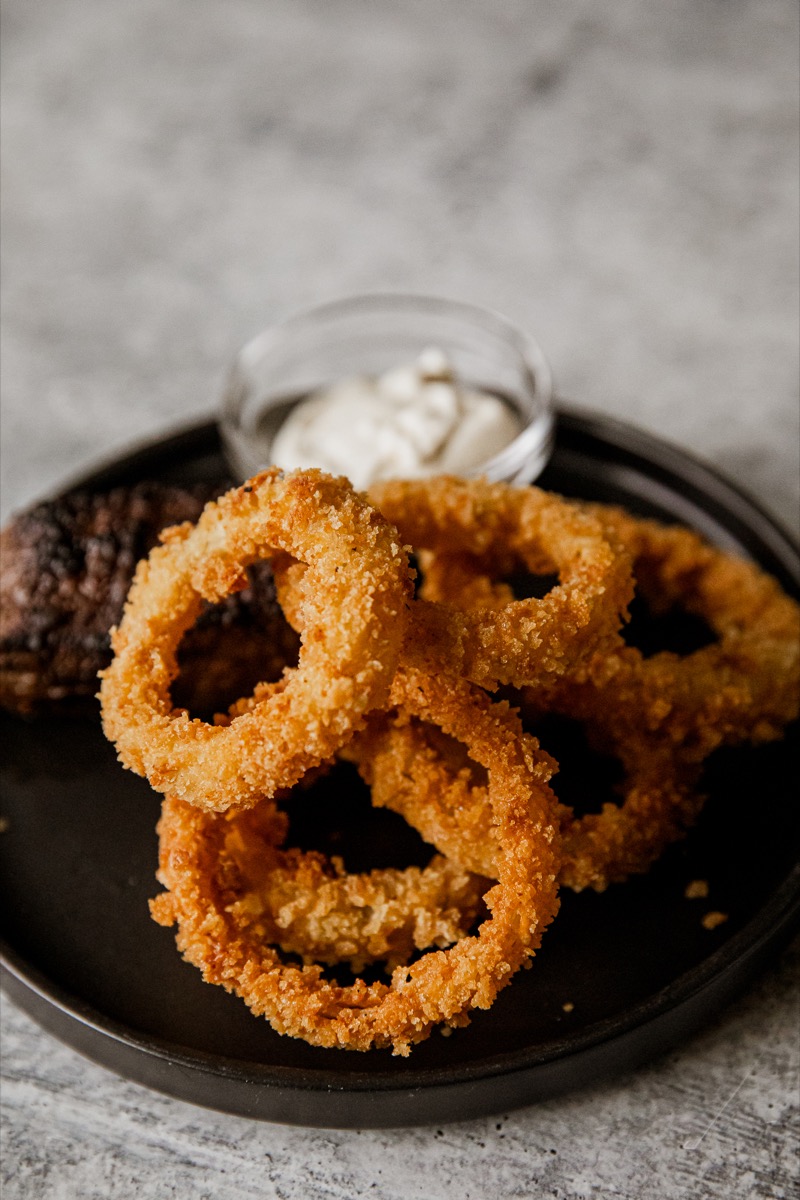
369 335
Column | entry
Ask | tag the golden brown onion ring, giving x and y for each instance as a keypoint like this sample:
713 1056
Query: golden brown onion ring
306 904
428 778
660 716
519 641
442 986
412 771
355 620
745 686
478 629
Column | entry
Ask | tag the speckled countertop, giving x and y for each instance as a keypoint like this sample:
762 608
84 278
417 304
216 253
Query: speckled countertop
620 179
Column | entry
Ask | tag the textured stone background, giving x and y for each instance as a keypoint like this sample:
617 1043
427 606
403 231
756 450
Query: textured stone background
623 180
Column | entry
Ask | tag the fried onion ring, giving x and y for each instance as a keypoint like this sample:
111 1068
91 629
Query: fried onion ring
479 630
306 904
745 686
520 641
359 571
660 716
415 773
443 985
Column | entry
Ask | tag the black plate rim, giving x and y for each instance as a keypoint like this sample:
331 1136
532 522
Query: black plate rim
766 932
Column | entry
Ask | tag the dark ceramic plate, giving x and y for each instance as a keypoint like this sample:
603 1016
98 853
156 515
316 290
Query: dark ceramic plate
636 965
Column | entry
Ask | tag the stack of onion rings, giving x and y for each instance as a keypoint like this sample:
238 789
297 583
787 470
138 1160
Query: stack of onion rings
660 716
399 686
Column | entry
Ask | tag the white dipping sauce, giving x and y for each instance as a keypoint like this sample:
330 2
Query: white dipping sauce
413 421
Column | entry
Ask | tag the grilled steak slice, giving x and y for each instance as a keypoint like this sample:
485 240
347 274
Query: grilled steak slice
65 569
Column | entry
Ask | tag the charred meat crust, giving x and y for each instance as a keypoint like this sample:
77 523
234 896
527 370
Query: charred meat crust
65 569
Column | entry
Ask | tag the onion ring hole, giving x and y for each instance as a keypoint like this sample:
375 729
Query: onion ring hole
675 630
235 644
587 778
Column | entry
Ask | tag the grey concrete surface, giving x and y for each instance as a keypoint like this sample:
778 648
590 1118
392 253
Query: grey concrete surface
621 179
